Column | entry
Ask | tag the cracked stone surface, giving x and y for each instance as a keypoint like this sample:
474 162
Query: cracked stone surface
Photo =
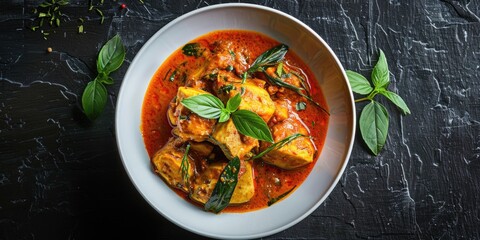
61 176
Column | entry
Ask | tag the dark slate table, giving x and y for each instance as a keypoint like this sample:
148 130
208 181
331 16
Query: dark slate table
61 176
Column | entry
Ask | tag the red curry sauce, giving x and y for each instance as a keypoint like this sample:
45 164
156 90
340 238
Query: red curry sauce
270 181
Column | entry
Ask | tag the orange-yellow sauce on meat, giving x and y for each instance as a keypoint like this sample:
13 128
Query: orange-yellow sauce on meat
270 181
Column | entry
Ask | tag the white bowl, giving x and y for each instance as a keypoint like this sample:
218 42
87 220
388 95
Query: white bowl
327 170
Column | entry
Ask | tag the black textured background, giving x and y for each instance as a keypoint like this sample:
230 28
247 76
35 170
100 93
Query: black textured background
61 177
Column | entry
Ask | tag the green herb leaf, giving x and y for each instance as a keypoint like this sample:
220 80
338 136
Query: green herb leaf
380 73
374 126
234 102
278 144
374 118
274 200
223 191
192 49
94 96
185 166
204 105
359 83
226 88
232 54
269 58
279 69
111 56
94 99
224 115
62 2
45 4
172 77
397 100
250 124
300 106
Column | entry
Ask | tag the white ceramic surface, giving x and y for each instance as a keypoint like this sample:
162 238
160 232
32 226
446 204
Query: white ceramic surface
325 174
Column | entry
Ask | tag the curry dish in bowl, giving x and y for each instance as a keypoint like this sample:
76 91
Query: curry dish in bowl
233 121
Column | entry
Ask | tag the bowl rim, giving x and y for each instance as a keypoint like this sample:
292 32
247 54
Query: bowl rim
351 134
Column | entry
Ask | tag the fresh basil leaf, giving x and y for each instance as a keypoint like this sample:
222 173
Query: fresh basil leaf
111 56
234 102
374 126
271 201
223 191
192 49
397 100
380 73
204 105
269 58
278 144
359 83
224 115
250 124
94 99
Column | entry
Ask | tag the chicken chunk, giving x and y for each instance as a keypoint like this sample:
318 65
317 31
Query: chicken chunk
226 56
205 183
189 126
254 97
167 163
297 153
233 143
201 149
282 110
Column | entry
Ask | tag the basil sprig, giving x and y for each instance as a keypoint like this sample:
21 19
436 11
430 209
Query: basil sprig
110 58
374 118
247 122
269 58
224 188
273 57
